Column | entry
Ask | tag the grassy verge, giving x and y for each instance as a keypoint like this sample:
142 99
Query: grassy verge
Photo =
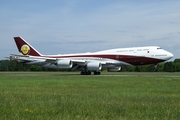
89 97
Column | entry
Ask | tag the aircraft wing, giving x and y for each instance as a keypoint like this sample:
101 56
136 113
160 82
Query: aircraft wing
26 58
59 62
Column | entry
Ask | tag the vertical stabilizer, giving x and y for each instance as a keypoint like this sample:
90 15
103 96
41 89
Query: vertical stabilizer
25 48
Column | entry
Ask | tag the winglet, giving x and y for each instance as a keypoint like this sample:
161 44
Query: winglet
25 48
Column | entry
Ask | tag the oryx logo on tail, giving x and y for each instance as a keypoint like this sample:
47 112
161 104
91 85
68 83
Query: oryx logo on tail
25 49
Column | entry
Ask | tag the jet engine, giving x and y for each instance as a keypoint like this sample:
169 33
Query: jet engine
115 69
64 64
94 66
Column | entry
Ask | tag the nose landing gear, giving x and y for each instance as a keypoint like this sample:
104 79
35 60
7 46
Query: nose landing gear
155 68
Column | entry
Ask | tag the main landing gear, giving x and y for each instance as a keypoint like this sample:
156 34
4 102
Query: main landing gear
97 73
89 72
85 72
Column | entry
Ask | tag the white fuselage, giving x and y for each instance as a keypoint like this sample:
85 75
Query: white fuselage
112 58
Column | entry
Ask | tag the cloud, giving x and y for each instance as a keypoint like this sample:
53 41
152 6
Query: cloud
90 25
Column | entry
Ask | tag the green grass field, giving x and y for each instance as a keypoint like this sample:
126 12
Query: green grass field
67 96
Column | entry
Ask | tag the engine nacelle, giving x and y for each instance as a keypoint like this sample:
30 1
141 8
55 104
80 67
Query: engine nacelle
116 69
64 64
94 66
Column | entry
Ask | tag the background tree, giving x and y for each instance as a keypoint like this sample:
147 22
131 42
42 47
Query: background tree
13 65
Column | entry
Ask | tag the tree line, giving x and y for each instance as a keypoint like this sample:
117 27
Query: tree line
171 66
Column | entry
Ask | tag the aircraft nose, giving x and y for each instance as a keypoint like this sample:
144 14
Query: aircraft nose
170 55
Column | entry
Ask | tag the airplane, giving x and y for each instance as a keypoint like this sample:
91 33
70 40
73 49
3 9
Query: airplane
110 60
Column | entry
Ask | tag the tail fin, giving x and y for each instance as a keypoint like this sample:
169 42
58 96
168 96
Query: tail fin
25 48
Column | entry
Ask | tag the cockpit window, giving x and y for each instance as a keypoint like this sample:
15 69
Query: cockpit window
159 48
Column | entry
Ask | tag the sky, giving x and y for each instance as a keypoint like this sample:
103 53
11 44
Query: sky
77 26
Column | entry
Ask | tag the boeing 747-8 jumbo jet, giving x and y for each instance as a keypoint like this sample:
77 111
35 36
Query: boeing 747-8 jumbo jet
112 59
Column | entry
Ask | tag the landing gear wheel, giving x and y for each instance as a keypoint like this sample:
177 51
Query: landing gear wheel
82 72
85 72
97 73
89 73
